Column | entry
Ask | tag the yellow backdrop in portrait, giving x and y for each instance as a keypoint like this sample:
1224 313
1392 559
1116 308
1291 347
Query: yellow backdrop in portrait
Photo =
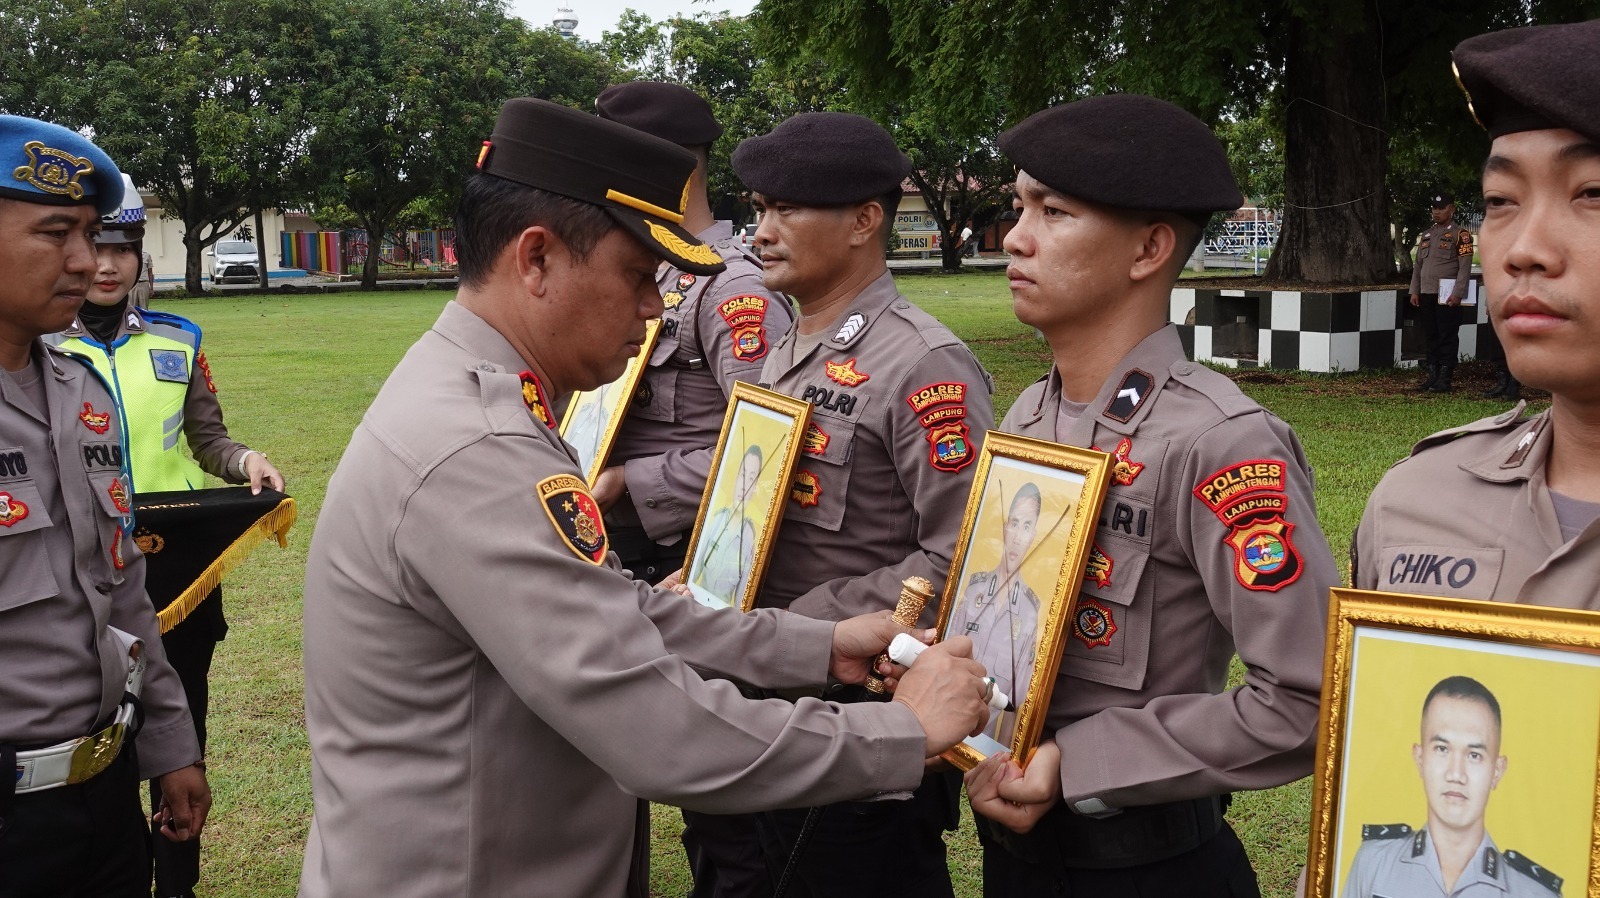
1550 708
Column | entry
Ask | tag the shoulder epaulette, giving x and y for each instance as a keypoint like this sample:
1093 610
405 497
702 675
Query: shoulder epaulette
1373 831
1504 421
177 321
1524 865
1215 386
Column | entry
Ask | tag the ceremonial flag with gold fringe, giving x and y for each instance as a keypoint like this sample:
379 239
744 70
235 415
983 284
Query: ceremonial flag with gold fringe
191 538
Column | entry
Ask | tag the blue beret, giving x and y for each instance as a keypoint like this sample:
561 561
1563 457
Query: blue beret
45 163
822 159
1532 79
1126 151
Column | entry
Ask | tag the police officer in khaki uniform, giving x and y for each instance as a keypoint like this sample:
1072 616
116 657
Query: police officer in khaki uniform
715 331
1459 760
1444 250
1505 508
1208 543
488 694
73 689
899 407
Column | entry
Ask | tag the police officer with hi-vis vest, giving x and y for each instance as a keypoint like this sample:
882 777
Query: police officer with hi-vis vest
163 386
89 705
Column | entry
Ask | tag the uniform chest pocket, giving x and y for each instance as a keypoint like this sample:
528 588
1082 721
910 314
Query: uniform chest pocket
24 563
116 502
656 399
821 481
1108 635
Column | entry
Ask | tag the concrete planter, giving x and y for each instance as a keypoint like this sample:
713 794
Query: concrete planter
1307 331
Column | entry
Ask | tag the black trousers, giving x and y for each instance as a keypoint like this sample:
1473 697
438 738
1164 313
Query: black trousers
647 559
1218 868
1441 329
869 847
725 856
84 841
190 647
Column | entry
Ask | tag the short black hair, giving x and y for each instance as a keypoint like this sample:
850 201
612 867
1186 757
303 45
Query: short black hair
1464 688
1027 491
493 211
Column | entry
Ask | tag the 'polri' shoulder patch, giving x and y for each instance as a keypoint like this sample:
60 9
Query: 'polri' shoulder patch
576 515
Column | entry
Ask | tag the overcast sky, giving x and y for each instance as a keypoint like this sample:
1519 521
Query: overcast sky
596 16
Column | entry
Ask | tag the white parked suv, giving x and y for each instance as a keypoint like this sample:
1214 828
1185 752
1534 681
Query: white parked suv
234 259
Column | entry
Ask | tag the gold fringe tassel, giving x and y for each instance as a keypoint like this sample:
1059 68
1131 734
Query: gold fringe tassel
275 523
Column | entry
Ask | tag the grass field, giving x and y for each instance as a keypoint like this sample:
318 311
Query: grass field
296 373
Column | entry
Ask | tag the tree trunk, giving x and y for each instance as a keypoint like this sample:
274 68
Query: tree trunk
261 250
950 249
193 264
369 267
1335 220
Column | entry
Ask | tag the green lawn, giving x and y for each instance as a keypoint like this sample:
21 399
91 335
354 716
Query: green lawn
295 374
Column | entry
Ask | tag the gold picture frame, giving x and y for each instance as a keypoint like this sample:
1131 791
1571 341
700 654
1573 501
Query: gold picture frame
593 417
752 467
997 555
1479 717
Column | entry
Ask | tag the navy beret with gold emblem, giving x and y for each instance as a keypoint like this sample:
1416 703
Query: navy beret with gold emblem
671 112
822 159
640 181
1126 151
45 163
1531 79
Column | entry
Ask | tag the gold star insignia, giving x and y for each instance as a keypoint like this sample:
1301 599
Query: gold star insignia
566 506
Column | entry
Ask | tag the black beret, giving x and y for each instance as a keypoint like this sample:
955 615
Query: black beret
669 111
1126 151
1442 198
1530 79
822 159
639 180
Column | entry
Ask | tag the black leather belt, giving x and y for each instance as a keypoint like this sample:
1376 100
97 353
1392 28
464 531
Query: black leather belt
1137 835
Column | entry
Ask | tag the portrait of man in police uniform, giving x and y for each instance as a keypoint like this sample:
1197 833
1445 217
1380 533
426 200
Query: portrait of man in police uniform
1458 758
726 554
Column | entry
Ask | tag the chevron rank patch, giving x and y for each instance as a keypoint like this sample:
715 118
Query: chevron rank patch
575 514
1135 388
851 327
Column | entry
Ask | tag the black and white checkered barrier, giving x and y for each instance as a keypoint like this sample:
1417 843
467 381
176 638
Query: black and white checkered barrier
1322 332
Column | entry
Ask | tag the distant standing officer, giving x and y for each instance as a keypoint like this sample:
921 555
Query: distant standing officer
715 331
1453 856
488 694
899 406
1444 251
72 601
1207 545
1505 508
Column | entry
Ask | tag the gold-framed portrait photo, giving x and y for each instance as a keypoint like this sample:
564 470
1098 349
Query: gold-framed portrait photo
1458 750
742 507
1019 564
593 417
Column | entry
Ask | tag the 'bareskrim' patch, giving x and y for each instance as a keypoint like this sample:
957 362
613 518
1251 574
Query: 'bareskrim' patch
567 501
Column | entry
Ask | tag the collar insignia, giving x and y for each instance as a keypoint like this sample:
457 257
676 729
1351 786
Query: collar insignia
533 398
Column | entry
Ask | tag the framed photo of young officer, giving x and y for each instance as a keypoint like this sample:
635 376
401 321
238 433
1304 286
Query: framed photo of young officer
1458 749
743 503
593 417
1025 539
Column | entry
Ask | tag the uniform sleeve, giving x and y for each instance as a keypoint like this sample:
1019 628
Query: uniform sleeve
1416 265
1463 261
1266 570
213 449
937 489
601 659
738 320
168 741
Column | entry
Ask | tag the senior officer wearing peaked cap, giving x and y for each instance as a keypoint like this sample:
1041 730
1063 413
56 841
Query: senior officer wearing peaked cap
1208 542
488 695
72 596
715 331
899 406
1505 508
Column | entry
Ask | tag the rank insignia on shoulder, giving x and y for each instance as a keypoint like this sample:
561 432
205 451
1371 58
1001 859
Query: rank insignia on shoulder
807 490
99 422
1525 865
950 449
850 328
746 316
1098 567
577 518
845 373
1093 623
685 281
533 398
171 365
12 510
672 299
1134 390
1385 831
205 369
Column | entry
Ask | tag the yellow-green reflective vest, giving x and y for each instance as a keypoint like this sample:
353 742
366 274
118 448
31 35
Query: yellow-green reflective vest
149 371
